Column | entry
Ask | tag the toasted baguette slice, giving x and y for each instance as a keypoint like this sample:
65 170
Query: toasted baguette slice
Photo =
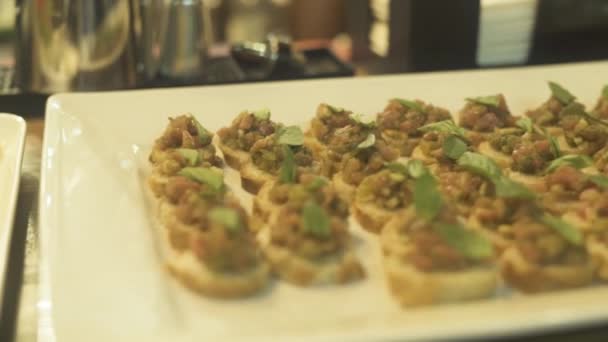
340 268
345 191
413 287
198 277
369 215
527 277
253 178
233 157
502 159
264 211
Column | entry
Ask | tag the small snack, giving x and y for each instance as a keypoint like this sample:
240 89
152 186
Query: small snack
398 124
368 157
184 143
482 115
430 257
328 119
309 243
210 248
442 143
547 254
381 195
236 141
269 153
551 113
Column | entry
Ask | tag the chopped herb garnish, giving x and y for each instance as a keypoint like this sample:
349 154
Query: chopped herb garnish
368 142
191 155
411 105
480 164
427 198
563 228
507 188
315 220
227 217
208 176
204 136
492 100
471 244
290 135
575 160
445 126
599 180
287 173
525 123
453 147
560 93
262 114
416 168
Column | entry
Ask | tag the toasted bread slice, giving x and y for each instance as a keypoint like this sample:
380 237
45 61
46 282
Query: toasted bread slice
502 159
531 278
264 211
413 287
345 191
253 178
339 268
233 157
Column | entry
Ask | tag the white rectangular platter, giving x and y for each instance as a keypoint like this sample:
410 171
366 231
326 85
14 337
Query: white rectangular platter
102 270
12 138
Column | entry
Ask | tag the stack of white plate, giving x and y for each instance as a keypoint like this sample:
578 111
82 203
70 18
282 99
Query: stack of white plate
505 31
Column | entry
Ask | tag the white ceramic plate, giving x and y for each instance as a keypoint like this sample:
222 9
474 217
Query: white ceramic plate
102 272
12 137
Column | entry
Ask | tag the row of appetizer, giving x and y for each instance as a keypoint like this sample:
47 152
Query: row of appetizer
457 206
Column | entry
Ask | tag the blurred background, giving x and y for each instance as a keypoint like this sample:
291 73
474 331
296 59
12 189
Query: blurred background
49 46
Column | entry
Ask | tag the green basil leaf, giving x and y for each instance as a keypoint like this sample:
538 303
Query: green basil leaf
573 108
416 168
214 179
554 145
507 188
397 167
290 135
453 147
575 160
315 220
191 155
525 123
317 183
368 142
599 180
560 93
480 164
227 217
204 136
288 171
427 198
334 109
411 105
363 120
262 114
568 232
492 100
471 244
446 126
605 92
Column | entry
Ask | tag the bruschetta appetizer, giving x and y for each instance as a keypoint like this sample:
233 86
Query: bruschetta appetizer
366 158
482 115
430 257
184 143
442 143
268 154
398 123
309 244
381 195
236 140
210 247
327 120
552 113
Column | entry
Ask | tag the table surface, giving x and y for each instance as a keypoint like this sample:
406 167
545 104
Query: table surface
22 288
